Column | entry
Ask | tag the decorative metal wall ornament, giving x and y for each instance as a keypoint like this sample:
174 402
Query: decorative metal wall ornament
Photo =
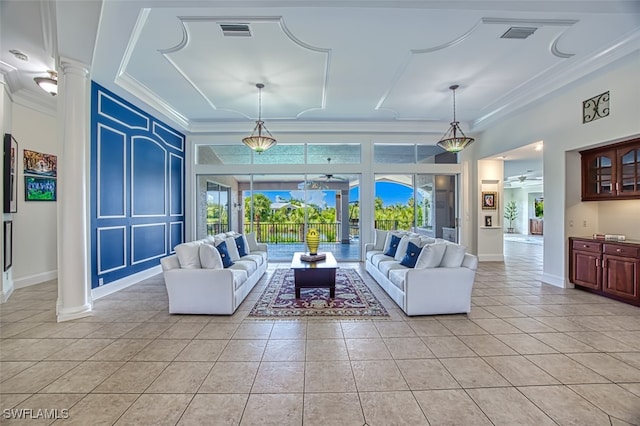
595 108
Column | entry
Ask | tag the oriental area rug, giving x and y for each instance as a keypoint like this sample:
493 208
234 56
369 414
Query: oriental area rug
353 298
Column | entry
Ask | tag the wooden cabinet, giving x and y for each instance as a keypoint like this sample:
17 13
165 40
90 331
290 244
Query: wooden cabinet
620 267
585 258
611 172
611 269
535 226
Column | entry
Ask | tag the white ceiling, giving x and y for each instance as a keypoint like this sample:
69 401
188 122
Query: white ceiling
328 66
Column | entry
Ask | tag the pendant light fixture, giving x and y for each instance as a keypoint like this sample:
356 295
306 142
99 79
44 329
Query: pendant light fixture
454 139
48 84
260 139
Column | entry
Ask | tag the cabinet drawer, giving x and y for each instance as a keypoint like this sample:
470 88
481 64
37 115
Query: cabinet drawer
620 250
587 246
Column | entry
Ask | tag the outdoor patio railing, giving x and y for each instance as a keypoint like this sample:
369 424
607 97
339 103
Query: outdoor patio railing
291 232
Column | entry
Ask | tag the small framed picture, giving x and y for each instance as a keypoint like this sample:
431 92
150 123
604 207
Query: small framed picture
488 221
489 200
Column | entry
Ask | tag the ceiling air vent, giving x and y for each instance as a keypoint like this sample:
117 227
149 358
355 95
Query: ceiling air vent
236 30
519 32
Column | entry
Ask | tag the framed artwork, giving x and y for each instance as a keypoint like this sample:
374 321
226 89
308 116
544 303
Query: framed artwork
37 163
10 178
8 245
489 200
488 221
39 188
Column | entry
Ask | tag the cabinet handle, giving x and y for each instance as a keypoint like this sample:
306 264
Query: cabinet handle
618 250
597 261
617 187
585 246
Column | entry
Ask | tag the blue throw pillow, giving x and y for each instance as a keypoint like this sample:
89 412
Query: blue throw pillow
242 251
224 254
391 251
411 257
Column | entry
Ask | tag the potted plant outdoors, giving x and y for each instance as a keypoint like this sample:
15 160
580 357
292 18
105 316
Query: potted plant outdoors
511 214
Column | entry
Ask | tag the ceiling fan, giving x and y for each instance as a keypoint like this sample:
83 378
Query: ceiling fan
528 177
330 177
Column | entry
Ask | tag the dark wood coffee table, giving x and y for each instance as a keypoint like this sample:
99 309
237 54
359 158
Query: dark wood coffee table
320 274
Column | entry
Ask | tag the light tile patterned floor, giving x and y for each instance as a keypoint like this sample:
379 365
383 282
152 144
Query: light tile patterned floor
528 354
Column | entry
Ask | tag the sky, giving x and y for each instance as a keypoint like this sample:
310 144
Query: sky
391 193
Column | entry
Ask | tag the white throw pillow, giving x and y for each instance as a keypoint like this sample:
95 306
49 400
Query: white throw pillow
247 249
210 257
431 256
232 248
380 239
387 241
402 246
453 256
189 255
252 243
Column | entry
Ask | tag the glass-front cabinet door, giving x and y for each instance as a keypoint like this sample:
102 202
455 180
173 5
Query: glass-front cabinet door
598 175
611 172
629 171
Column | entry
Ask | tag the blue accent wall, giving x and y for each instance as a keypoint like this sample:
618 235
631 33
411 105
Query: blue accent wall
137 188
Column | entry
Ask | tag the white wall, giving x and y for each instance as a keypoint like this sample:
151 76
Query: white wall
35 223
7 286
558 122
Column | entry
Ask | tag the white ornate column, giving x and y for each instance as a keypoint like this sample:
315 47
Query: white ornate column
74 289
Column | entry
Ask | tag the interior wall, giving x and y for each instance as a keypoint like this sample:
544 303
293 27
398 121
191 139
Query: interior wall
619 217
6 279
35 224
490 238
558 122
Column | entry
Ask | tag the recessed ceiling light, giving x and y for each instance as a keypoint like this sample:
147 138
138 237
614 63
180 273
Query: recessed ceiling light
19 55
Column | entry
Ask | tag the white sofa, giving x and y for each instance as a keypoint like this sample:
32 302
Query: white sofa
199 283
440 283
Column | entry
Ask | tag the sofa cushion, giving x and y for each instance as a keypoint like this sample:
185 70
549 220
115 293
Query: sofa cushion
256 257
371 253
189 254
224 254
398 276
377 258
387 266
232 248
210 257
431 255
380 239
245 265
394 241
242 245
453 256
411 255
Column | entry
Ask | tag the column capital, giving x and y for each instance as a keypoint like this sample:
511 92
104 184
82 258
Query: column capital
71 66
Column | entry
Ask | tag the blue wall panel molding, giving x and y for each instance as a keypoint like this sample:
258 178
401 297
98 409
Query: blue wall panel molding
110 172
176 184
148 178
137 188
176 235
148 242
112 245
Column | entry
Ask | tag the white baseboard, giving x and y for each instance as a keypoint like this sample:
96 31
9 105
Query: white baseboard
118 285
35 279
490 258
553 280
